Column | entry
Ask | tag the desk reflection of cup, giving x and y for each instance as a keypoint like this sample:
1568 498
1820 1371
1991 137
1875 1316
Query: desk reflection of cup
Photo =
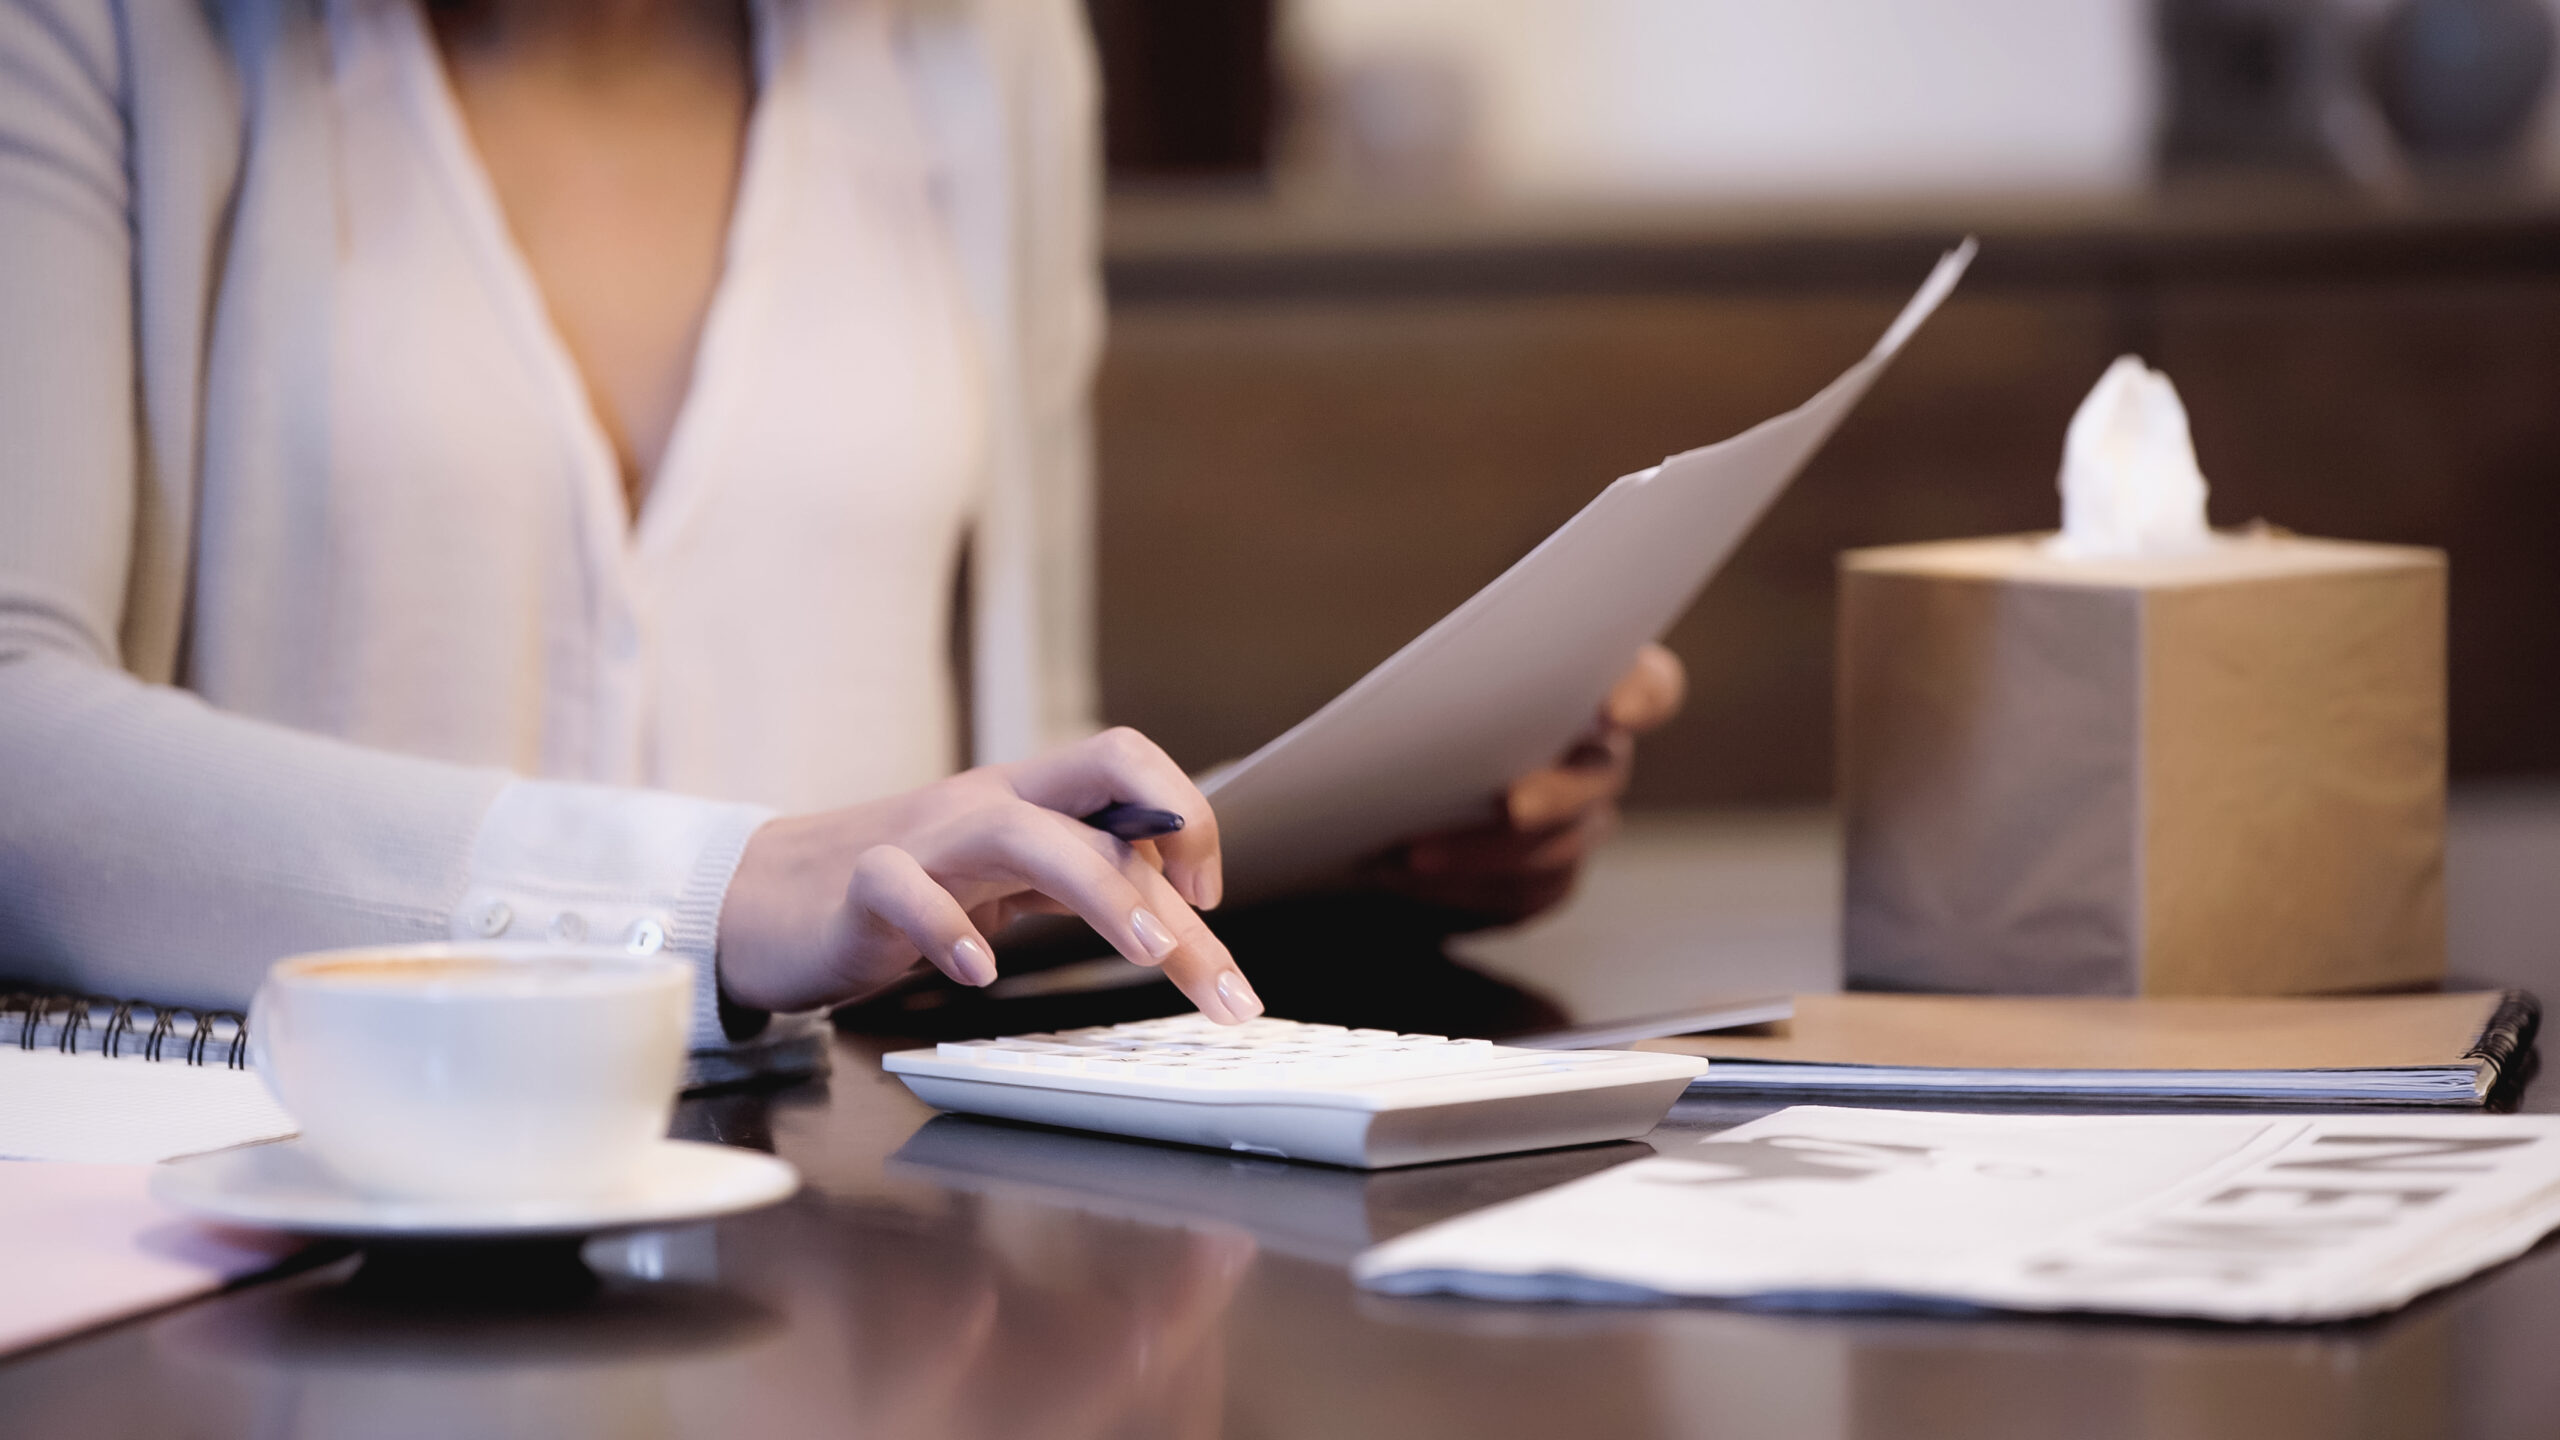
475 1072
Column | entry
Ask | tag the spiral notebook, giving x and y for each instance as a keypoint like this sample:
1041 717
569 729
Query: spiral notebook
91 1092
89 1078
116 1081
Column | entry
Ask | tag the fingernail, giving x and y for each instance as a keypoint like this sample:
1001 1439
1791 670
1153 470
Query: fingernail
1151 933
1238 996
973 962
1213 888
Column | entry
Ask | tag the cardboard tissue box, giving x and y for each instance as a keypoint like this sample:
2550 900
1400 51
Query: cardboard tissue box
2212 765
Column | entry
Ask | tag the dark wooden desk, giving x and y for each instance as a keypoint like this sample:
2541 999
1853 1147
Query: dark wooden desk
941 1277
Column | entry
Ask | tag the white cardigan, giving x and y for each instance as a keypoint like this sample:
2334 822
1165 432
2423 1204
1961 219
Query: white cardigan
153 845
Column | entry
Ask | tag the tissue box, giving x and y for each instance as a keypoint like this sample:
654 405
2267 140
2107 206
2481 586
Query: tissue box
2220 774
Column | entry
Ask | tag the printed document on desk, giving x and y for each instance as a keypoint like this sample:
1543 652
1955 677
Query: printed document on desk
2242 1218
1502 684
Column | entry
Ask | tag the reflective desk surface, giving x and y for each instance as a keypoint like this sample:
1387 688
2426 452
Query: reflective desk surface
946 1277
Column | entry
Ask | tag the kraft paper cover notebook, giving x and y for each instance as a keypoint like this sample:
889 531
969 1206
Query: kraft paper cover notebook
2433 1049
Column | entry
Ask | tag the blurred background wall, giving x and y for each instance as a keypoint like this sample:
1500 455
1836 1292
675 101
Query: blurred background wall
1398 284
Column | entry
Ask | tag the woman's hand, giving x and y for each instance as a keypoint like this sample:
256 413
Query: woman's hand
1526 858
825 908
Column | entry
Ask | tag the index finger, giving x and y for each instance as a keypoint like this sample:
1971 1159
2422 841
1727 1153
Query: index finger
1121 766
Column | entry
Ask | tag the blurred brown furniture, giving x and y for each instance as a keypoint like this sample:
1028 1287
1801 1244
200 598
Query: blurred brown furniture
1321 429
1187 87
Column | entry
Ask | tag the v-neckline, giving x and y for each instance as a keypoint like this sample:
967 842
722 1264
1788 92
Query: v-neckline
672 489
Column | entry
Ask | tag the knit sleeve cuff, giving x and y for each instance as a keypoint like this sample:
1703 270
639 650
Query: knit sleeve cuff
639 870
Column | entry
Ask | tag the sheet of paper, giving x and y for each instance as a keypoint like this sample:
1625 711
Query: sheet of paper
90 1108
2251 1218
85 1244
1502 684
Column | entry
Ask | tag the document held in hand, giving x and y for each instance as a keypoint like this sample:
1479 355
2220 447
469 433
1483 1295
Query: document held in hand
1503 684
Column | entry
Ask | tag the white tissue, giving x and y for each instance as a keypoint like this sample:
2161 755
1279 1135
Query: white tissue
2130 485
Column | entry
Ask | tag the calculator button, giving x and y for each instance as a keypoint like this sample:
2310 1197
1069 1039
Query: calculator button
1189 1052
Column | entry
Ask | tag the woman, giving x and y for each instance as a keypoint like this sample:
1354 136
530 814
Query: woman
499 469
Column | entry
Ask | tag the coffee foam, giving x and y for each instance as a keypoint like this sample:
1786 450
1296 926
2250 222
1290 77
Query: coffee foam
476 974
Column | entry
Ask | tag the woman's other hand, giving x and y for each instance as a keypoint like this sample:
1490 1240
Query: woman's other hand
826 908
1526 858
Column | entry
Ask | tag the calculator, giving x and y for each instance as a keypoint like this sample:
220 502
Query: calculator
1368 1099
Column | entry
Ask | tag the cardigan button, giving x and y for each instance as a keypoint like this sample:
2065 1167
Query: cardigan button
494 918
569 925
648 937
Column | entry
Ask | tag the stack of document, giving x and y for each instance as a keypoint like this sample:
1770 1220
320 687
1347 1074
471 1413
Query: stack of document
2244 1218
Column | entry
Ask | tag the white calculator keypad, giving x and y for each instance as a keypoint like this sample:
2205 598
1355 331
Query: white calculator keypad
1191 1050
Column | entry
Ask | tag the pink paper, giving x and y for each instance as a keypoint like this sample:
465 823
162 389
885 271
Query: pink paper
82 1245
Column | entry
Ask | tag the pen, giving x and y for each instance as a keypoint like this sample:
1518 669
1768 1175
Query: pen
1133 822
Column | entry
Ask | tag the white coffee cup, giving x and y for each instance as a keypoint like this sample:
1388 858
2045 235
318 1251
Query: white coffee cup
475 1072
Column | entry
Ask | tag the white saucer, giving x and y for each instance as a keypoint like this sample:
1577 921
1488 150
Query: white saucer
281 1187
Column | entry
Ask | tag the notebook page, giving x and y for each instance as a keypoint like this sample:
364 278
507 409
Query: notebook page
86 1244
127 1110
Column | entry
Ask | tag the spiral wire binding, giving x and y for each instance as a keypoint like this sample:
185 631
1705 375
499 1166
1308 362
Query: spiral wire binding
206 1033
